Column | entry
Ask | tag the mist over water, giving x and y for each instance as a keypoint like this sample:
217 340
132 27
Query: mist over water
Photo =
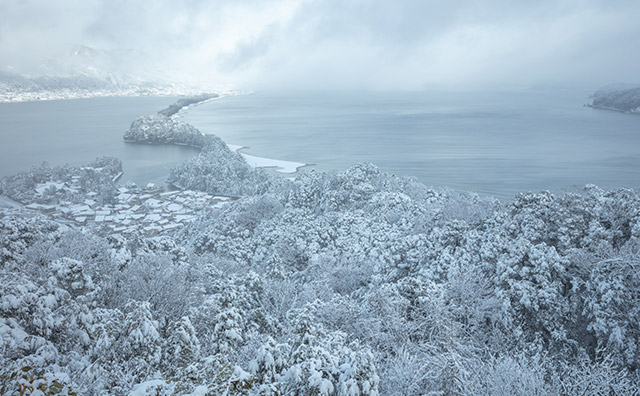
497 142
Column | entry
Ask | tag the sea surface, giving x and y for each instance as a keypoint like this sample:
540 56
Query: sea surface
498 142
79 130
493 142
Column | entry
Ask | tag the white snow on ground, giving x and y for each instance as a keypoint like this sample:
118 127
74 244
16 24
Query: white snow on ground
261 162
279 165
42 187
234 147
143 388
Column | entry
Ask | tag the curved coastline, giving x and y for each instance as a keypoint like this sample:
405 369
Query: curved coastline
176 111
217 166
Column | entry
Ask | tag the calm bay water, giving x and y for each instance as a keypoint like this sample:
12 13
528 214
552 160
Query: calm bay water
500 143
77 131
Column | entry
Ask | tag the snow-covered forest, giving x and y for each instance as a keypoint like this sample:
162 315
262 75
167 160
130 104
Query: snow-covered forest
358 282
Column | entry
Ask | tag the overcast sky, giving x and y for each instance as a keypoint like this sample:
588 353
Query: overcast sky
257 44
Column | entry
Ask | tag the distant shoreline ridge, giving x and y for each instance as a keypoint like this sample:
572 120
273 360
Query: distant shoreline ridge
623 99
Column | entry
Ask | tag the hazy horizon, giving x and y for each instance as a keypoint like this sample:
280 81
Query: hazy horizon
305 44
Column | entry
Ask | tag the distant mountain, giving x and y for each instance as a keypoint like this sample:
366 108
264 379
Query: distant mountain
86 72
618 97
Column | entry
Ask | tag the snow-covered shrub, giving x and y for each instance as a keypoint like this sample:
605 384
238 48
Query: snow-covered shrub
17 234
155 278
315 362
160 129
96 177
182 346
612 305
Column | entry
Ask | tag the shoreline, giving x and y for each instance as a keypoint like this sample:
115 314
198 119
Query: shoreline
183 109
280 166
255 161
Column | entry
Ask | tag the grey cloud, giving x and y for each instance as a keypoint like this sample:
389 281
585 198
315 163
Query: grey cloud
331 43
247 52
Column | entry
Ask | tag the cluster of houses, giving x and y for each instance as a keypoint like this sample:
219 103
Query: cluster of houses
150 210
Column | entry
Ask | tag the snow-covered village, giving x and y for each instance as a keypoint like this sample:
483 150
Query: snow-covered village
149 209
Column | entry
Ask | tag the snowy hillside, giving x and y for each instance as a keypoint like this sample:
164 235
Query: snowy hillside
349 283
